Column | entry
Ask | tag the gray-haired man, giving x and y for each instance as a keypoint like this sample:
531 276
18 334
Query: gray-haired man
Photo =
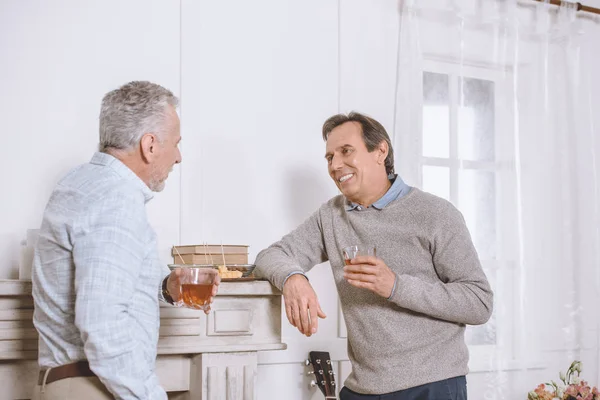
97 277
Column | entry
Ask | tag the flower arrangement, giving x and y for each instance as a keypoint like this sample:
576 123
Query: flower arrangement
572 388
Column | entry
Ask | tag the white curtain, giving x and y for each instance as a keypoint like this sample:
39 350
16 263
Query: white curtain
497 110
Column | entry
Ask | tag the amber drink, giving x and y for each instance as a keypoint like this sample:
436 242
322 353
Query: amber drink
351 252
197 286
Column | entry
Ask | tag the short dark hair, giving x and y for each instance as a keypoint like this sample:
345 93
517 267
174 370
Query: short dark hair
373 133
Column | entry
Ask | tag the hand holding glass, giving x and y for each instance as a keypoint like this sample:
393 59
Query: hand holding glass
351 252
197 287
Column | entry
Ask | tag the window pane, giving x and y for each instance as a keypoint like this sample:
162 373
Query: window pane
484 334
476 120
436 180
436 115
477 202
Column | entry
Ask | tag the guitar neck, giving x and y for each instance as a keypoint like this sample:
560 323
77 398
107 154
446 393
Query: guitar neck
323 373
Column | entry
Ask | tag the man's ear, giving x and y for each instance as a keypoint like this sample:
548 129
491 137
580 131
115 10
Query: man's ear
382 150
148 146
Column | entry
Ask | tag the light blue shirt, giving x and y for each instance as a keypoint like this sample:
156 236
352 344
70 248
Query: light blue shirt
96 274
397 190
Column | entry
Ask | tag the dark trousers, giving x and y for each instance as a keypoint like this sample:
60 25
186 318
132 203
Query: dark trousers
449 389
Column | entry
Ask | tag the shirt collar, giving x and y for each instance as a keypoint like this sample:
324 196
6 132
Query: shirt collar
397 190
123 171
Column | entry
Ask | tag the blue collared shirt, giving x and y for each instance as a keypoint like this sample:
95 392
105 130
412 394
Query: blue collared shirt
397 190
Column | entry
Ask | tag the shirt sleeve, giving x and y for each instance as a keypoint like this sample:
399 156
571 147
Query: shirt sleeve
296 252
463 293
109 253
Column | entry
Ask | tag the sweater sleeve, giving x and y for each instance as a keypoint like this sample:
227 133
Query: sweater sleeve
462 294
296 252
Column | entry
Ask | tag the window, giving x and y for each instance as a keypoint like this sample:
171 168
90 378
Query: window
462 160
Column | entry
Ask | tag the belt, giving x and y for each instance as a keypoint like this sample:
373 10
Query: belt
73 370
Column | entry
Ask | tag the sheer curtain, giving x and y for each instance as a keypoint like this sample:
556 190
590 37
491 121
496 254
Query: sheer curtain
497 107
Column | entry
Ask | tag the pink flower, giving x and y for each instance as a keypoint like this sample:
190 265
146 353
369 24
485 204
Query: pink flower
584 390
576 389
572 390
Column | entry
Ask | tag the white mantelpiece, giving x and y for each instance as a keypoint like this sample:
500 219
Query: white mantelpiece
200 357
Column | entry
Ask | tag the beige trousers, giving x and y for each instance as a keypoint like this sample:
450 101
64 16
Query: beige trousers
73 389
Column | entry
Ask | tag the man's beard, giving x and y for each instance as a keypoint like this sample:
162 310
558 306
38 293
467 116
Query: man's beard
156 184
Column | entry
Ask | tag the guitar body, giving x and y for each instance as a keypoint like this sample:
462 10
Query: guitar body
322 369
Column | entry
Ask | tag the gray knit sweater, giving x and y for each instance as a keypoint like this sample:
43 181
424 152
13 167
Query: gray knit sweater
417 336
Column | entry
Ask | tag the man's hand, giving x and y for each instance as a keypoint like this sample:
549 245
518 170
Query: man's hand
174 286
301 305
370 273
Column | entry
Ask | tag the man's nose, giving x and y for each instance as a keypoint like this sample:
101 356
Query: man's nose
336 163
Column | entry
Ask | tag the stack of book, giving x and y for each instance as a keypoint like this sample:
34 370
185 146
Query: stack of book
216 254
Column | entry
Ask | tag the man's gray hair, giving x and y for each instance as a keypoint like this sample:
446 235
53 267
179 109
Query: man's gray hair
132 110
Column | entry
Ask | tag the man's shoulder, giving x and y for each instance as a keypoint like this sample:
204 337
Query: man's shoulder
427 199
335 204
428 206
98 182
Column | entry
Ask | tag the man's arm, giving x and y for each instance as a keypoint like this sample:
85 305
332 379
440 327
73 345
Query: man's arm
463 294
108 257
296 253
166 272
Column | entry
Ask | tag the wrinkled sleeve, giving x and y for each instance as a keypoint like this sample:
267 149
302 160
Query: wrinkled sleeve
463 293
296 252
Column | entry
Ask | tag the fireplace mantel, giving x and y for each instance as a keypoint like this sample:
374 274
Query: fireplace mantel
199 357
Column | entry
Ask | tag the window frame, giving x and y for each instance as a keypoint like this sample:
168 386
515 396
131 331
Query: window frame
505 265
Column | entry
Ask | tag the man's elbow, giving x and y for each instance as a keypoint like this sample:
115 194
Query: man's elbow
483 311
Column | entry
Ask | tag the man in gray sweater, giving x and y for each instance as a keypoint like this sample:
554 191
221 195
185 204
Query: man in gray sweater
405 308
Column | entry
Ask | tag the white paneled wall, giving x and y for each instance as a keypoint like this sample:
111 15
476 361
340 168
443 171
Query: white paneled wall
256 80
368 54
257 85
57 59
